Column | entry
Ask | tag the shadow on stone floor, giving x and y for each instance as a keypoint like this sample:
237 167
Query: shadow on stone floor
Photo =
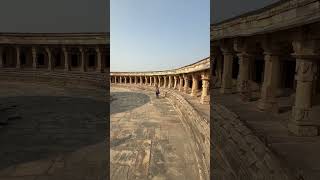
45 126
125 101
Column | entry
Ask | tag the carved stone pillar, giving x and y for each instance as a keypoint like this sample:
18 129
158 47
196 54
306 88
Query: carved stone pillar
135 80
175 82
227 72
195 84
304 120
83 60
181 83
205 99
159 81
1 58
245 61
120 79
187 79
99 60
130 79
66 59
34 57
270 83
50 63
125 80
151 81
18 62
170 82
155 81
164 81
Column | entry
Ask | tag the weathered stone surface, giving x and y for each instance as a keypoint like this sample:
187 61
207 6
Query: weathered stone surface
60 133
150 140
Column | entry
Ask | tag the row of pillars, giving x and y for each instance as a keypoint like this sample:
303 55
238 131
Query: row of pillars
178 82
301 121
50 60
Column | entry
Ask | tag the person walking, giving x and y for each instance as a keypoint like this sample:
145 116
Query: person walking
157 91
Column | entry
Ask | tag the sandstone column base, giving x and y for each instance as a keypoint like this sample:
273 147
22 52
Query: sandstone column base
302 130
205 100
268 106
225 91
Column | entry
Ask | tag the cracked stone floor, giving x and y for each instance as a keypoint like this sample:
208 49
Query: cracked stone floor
52 133
148 140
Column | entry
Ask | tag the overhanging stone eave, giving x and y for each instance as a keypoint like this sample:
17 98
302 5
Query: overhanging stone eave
272 29
305 20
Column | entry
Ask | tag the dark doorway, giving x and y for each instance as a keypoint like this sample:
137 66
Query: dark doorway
74 60
235 68
92 60
23 59
41 59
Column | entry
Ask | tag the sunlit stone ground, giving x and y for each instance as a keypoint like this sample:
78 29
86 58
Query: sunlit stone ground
52 132
148 140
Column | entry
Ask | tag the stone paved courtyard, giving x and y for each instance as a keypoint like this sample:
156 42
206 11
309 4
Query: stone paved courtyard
148 140
52 133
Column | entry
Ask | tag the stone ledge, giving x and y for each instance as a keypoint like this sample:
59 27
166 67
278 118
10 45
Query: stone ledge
194 123
244 153
60 78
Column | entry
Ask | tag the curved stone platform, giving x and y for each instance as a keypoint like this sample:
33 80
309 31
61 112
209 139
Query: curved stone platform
188 128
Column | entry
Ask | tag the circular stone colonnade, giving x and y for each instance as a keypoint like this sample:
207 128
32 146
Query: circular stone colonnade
166 137
265 66
60 57
191 79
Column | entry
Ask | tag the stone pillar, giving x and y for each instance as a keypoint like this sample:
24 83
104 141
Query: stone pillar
99 60
227 73
195 84
66 59
205 99
159 81
155 80
245 61
50 63
303 122
34 57
83 60
130 79
18 63
181 83
150 81
125 80
164 81
141 82
175 82
186 78
120 79
270 83
1 58
170 82
135 80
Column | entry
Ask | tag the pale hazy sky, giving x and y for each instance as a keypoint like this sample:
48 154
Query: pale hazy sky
151 35
54 16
